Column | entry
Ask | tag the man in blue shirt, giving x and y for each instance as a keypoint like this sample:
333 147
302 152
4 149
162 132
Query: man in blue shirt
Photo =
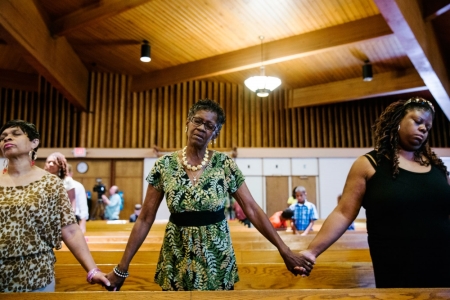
305 213
112 208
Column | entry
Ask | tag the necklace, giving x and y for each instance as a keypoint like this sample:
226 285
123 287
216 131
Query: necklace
197 167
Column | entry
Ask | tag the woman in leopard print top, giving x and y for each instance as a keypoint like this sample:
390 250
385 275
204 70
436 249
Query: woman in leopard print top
35 216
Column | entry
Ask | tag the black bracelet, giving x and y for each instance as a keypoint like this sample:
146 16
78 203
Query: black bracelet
120 273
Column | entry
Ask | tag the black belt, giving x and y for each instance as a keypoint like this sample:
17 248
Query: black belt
197 218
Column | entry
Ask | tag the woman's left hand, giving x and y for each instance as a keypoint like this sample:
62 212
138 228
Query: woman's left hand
101 279
298 263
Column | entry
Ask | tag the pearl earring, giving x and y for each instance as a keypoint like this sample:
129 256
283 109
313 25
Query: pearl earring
398 128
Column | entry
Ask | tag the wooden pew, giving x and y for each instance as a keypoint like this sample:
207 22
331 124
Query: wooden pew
341 294
244 256
252 277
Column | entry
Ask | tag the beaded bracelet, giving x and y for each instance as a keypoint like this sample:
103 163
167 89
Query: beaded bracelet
91 274
120 273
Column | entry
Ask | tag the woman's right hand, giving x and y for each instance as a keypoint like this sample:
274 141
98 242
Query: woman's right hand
116 282
307 258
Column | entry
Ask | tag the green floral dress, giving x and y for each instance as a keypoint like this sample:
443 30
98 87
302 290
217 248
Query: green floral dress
196 258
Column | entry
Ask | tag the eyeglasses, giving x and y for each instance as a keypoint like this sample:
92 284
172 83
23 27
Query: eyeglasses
199 122
419 101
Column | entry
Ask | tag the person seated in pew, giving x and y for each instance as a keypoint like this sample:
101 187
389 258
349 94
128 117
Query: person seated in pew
135 215
197 253
35 217
282 219
305 212
404 187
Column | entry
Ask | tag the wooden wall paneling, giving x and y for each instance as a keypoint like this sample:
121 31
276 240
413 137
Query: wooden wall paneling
229 98
319 130
170 116
306 127
152 130
252 117
240 119
232 128
277 193
165 119
331 132
140 120
299 121
184 110
160 118
359 124
88 115
367 134
179 121
277 123
270 122
221 94
102 112
122 111
324 126
145 119
95 128
132 121
264 124
282 115
66 127
246 122
288 120
313 128
347 126
115 115
354 124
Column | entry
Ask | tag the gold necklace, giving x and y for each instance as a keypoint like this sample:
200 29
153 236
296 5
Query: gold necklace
197 167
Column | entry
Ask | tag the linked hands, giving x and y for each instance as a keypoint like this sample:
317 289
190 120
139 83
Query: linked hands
298 263
116 282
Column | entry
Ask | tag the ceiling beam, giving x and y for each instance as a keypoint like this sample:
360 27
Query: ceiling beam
278 51
420 44
92 14
24 29
383 84
19 81
435 8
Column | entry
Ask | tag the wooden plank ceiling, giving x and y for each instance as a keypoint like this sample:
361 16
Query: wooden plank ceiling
317 48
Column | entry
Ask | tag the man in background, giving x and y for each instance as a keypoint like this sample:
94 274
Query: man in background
112 204
81 206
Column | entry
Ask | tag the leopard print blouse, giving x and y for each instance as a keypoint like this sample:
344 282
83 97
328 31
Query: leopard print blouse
31 218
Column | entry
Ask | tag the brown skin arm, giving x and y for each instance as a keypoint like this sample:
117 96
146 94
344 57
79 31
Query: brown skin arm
74 240
259 219
346 210
138 234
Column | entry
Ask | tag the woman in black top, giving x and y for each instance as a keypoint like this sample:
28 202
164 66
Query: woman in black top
405 190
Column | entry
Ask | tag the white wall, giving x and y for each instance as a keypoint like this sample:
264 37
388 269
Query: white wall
163 211
332 176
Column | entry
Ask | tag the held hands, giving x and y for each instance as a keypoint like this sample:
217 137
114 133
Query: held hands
116 282
308 261
117 278
96 276
298 263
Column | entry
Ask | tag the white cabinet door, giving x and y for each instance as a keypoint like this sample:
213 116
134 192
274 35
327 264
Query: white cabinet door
304 166
255 185
250 166
276 166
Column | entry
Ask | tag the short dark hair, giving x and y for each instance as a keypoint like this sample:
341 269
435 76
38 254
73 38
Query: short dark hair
28 128
208 105
287 214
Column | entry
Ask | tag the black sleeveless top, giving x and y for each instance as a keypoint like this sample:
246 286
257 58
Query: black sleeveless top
411 206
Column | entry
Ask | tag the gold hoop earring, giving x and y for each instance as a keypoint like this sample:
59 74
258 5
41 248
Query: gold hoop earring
33 156
5 165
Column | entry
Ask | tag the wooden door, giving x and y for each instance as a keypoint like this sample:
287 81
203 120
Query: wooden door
128 177
277 193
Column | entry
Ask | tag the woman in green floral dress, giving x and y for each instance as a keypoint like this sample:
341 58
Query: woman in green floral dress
197 253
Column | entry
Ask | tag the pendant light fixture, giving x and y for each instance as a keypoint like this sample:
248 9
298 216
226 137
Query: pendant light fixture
262 84
145 51
367 71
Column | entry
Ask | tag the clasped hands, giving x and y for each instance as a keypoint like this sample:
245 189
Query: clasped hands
301 263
